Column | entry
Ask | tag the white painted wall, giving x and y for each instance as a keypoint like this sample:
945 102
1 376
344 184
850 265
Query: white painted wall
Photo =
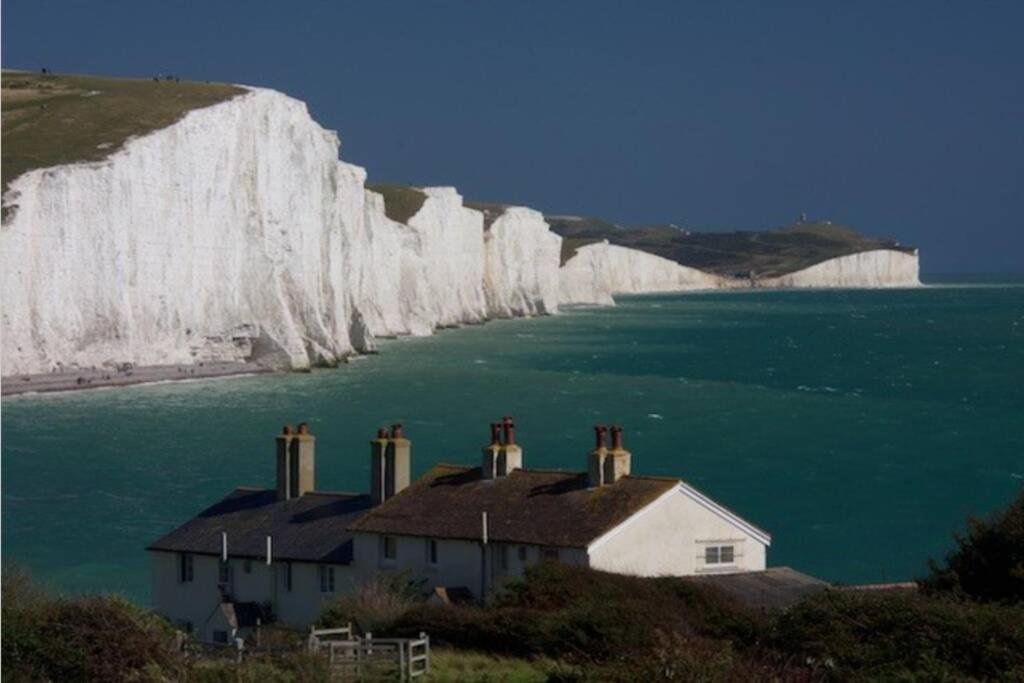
195 601
668 537
459 562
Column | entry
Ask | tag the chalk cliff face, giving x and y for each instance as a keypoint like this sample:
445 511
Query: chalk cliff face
521 271
598 271
877 268
236 234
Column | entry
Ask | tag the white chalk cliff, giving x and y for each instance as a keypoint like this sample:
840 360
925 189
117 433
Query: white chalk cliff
876 268
237 234
600 270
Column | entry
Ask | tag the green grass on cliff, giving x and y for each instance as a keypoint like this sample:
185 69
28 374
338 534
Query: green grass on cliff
52 119
742 254
401 202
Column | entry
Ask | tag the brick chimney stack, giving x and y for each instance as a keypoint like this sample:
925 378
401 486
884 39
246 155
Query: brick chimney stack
511 456
502 455
596 458
617 462
390 463
296 462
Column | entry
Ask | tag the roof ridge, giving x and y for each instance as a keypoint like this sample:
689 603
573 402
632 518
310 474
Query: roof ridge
654 477
549 470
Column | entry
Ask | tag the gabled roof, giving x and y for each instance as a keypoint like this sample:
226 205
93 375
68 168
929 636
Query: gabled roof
536 507
311 528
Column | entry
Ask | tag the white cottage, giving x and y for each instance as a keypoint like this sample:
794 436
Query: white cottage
287 551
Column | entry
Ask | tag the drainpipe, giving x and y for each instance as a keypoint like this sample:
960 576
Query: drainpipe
483 559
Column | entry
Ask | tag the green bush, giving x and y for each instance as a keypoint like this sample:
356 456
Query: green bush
889 634
375 606
988 563
80 639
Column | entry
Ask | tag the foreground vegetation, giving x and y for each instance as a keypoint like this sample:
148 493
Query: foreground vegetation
51 119
565 623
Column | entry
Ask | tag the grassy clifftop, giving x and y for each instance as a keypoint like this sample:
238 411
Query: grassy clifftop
52 119
735 254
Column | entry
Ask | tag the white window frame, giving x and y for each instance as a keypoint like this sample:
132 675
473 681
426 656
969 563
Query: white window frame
326 575
714 548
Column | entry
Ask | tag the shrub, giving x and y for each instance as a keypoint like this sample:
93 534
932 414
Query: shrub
73 639
375 606
871 635
988 563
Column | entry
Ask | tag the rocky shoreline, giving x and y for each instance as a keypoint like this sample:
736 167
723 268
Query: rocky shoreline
75 379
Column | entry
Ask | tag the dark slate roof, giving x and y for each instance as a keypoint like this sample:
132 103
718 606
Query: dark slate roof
538 507
774 588
311 528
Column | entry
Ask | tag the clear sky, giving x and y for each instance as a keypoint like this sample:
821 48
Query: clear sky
903 119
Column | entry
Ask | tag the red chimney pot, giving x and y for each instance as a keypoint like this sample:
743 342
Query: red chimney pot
495 433
287 429
599 432
396 430
509 427
382 433
616 438
303 428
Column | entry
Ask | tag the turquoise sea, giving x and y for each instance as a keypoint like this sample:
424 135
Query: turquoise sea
860 428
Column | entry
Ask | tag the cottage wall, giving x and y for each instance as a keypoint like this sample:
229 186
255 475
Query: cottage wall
195 601
459 562
669 537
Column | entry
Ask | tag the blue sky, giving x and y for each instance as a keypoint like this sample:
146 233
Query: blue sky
903 119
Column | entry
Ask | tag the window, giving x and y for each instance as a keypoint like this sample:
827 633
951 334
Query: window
432 552
220 636
521 553
502 553
186 570
719 554
326 579
247 566
549 554
388 548
288 576
223 573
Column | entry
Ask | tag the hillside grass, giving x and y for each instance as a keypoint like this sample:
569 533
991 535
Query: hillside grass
491 211
52 119
401 202
740 254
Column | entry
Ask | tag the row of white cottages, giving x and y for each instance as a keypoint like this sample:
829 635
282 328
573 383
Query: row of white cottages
258 556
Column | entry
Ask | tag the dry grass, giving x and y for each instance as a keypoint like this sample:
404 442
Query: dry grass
59 119
401 202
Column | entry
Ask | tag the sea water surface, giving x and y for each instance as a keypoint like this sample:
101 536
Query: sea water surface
860 428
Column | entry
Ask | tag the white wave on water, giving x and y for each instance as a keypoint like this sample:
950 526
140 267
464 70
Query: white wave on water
655 416
818 390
